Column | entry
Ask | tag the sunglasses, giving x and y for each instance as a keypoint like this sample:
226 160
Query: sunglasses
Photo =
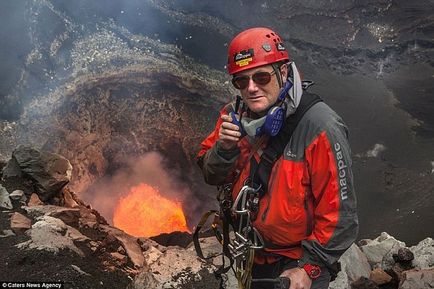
261 78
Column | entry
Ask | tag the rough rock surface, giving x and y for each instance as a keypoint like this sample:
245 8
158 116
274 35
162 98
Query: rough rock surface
63 241
52 235
422 279
88 81
73 243
20 223
176 268
381 250
50 172
5 201
423 254
380 277
353 266
128 242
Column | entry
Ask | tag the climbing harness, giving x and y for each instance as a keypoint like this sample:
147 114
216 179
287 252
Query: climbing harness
233 223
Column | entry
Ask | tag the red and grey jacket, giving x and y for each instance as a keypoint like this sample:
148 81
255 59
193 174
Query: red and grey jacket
309 209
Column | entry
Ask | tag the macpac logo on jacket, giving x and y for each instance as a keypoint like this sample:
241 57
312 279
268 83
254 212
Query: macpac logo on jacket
310 205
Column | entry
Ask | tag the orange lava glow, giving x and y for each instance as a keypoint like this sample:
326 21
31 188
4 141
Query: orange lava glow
144 212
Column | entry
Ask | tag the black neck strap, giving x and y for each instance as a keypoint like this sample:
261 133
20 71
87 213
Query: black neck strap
260 173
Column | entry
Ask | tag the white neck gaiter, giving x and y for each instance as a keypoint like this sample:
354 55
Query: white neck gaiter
292 100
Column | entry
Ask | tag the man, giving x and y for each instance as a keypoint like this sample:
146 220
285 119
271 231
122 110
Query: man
307 206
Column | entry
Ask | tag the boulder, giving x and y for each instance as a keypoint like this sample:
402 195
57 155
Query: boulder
69 200
341 281
404 257
51 234
34 200
40 210
417 279
211 248
17 195
76 217
12 171
122 259
176 268
130 244
89 219
423 254
380 277
20 223
5 201
354 265
18 198
69 216
49 172
380 250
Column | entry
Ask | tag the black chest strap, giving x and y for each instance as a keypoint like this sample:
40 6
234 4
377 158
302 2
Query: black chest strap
260 173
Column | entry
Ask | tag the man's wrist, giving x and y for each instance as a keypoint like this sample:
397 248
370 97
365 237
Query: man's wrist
313 271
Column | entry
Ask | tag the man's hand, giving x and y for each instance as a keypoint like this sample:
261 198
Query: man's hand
299 278
229 134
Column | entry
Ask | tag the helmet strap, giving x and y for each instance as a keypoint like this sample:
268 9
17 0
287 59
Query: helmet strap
276 68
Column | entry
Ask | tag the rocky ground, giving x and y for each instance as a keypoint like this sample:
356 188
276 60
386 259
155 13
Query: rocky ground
130 77
47 234
62 239
48 251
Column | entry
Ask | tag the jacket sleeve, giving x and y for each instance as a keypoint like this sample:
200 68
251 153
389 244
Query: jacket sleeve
335 222
216 163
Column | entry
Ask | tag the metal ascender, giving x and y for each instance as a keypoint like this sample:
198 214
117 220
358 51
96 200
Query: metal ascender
246 238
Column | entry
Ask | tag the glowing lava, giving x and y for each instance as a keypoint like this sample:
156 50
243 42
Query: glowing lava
144 212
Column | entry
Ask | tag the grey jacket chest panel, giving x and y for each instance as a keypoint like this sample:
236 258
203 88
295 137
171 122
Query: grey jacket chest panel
318 118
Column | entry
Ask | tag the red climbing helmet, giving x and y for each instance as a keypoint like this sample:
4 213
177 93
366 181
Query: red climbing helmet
255 47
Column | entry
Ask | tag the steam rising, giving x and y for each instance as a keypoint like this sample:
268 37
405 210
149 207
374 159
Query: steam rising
151 169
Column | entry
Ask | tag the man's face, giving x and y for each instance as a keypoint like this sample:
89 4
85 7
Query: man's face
259 98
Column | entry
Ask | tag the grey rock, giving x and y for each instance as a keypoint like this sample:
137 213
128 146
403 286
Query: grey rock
50 234
389 259
341 281
6 233
41 210
355 263
380 250
49 172
175 268
423 254
76 217
12 170
353 266
5 201
17 195
211 248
